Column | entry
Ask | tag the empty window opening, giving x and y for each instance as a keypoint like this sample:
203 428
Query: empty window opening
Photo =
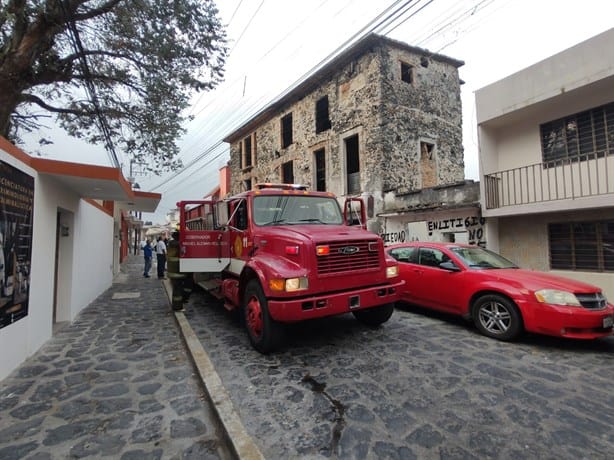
247 184
287 173
286 131
247 152
352 160
407 73
322 116
428 164
320 169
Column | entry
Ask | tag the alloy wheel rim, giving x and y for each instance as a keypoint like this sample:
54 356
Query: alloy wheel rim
495 318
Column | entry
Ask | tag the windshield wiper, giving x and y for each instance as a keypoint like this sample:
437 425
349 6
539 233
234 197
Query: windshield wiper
484 265
312 220
275 222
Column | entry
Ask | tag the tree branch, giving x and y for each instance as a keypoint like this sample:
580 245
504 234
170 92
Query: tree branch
38 101
101 10
75 56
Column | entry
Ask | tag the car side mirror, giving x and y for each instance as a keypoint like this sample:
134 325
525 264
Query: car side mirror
450 266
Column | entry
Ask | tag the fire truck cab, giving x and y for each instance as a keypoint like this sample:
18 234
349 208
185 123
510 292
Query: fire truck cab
281 254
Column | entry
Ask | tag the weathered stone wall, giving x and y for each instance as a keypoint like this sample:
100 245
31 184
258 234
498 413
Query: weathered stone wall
429 109
391 117
353 106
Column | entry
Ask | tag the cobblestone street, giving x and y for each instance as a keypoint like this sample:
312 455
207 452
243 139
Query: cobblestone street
116 383
423 386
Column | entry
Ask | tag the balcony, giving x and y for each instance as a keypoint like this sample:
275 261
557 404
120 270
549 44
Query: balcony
586 175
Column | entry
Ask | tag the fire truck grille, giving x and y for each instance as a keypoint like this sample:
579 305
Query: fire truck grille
349 256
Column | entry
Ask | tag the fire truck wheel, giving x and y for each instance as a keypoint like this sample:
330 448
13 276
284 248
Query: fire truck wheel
375 316
265 334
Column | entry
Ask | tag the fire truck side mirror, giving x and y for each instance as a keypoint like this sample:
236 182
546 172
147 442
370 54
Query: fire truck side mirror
354 212
221 214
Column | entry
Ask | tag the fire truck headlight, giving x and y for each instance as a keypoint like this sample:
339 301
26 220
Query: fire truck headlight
289 284
296 284
392 271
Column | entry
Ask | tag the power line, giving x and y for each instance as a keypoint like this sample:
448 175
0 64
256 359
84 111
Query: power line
368 28
73 35
393 16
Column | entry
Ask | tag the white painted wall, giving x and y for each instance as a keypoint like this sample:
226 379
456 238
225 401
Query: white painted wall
85 261
93 255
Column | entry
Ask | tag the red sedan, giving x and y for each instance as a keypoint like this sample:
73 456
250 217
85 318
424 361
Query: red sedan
502 299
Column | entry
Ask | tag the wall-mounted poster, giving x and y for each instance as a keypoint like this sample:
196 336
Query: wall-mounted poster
16 209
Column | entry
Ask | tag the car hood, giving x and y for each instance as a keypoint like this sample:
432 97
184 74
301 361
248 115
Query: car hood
535 280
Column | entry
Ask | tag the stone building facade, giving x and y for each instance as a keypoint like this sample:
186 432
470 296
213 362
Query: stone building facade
382 120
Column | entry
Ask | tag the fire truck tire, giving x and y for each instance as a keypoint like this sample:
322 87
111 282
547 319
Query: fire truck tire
265 334
375 316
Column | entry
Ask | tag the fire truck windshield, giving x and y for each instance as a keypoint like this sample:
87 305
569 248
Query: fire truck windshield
293 210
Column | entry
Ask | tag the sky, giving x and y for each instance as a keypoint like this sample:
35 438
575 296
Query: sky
275 43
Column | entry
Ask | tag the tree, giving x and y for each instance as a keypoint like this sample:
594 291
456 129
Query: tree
120 70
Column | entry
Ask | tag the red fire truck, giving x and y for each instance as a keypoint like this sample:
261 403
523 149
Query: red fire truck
280 254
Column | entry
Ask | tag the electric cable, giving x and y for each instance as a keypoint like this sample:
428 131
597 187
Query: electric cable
73 34
385 19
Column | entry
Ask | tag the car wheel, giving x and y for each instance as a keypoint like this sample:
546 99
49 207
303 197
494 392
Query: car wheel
497 317
265 334
375 316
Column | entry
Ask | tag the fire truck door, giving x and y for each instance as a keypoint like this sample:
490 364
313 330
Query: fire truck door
205 248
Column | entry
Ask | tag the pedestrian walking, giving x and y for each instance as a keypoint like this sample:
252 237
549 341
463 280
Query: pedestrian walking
161 257
148 254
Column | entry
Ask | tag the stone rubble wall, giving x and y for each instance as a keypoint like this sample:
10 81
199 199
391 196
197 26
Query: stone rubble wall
391 117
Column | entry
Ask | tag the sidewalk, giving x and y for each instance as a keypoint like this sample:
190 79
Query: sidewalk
118 382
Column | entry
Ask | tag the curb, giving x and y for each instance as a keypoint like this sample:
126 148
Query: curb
240 442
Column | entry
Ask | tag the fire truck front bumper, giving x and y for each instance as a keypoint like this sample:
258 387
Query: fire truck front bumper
335 303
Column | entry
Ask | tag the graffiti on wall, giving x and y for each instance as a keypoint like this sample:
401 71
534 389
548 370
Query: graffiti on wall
394 237
473 225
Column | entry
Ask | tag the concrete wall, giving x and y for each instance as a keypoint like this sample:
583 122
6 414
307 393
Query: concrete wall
524 240
84 260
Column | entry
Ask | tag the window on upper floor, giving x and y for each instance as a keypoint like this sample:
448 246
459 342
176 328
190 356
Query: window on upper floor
320 169
428 164
352 164
407 73
287 172
322 116
582 245
286 131
247 150
578 137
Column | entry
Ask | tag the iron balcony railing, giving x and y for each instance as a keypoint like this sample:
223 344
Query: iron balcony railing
568 178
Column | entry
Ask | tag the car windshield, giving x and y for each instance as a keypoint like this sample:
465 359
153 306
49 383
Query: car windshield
480 258
294 209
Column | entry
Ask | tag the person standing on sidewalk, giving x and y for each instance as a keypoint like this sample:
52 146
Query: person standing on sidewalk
148 254
161 256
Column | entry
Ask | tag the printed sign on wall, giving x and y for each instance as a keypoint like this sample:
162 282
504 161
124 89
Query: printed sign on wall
16 209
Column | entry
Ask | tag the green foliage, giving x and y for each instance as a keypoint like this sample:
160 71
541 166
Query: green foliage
145 58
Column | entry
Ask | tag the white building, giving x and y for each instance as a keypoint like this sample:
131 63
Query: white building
61 244
546 151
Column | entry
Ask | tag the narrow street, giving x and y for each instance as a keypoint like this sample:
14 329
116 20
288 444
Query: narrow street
422 386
